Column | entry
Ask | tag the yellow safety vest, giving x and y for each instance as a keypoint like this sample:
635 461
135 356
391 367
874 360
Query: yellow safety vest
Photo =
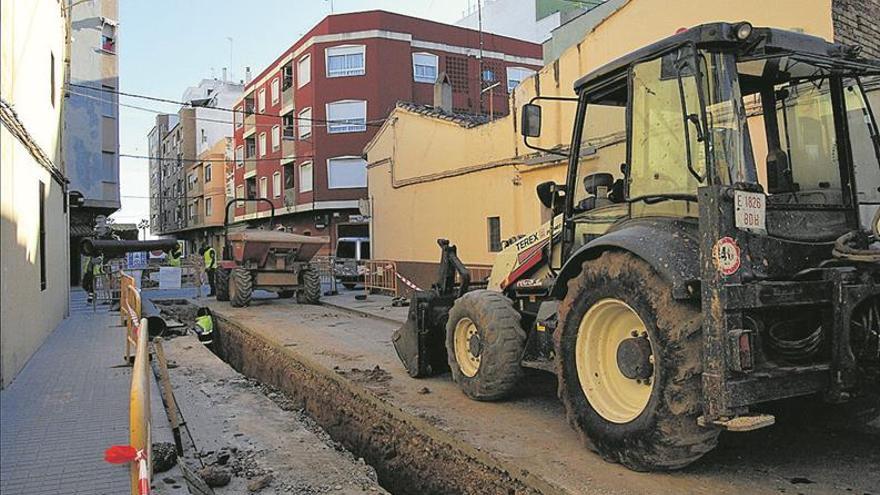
210 259
205 323
175 259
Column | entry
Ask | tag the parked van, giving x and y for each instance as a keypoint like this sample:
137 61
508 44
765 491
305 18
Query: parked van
350 251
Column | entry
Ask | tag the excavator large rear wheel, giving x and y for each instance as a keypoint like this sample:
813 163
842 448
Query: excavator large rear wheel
629 366
241 288
484 344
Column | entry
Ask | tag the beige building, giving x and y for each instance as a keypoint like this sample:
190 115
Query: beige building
34 285
436 176
206 194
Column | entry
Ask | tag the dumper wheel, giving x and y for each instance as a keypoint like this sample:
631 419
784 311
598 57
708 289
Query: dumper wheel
629 366
484 344
241 288
221 284
311 288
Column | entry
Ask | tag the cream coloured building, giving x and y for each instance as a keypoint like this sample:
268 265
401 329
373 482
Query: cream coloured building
34 227
432 176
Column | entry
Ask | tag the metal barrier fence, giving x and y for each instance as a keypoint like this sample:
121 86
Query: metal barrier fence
139 414
129 311
380 276
137 335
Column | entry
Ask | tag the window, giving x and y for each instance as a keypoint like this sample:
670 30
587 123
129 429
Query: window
346 172
287 123
239 191
239 157
304 123
288 176
52 78
209 206
204 135
108 38
516 75
250 188
264 187
208 173
42 240
305 177
287 77
304 71
346 61
424 67
276 137
109 163
346 116
250 148
276 184
275 90
108 103
261 101
494 227
262 144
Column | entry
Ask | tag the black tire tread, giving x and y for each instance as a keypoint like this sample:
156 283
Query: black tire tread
310 293
221 284
244 287
675 440
500 370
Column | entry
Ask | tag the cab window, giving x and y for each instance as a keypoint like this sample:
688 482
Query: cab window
667 152
602 155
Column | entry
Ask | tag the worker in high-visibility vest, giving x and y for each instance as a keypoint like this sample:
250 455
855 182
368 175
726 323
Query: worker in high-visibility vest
210 256
175 255
205 326
94 269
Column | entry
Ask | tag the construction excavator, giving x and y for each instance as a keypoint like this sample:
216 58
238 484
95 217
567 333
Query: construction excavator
731 261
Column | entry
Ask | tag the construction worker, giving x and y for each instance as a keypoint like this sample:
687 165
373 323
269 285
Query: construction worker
175 255
94 269
210 256
205 326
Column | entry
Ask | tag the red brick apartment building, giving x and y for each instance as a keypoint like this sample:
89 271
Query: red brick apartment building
303 122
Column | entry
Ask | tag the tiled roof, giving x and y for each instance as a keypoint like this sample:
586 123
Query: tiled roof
463 119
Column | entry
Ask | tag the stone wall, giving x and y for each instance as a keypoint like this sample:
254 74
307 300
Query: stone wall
857 22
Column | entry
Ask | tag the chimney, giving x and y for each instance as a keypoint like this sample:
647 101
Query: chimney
247 75
443 93
224 74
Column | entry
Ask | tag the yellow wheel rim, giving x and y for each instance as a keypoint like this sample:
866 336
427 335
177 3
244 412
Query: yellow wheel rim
614 396
465 333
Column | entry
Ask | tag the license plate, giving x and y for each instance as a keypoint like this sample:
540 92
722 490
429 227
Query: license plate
751 211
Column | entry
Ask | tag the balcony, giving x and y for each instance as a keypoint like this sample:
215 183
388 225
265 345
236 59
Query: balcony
195 220
290 197
288 148
250 124
250 207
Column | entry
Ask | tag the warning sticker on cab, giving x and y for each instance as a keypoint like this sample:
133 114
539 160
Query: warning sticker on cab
751 209
726 256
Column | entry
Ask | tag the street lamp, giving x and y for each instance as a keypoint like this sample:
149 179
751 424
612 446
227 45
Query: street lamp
143 225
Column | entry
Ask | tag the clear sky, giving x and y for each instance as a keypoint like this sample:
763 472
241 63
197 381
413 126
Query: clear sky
167 45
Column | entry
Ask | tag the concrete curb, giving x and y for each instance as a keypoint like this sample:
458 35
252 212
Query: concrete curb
360 312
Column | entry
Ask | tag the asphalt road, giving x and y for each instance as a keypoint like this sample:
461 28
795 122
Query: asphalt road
529 430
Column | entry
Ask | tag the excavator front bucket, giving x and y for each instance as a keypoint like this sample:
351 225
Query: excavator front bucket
421 342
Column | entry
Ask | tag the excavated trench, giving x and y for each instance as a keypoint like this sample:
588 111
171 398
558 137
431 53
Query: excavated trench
409 454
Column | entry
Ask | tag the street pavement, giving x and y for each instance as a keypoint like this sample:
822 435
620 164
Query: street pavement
68 404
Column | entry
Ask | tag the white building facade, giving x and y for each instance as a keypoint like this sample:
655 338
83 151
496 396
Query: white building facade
34 285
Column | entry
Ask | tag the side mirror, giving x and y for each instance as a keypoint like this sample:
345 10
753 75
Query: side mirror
531 120
547 192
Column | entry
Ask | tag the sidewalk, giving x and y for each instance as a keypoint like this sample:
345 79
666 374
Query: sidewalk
374 306
68 404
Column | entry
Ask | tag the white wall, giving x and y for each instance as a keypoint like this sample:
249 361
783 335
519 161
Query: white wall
29 32
514 18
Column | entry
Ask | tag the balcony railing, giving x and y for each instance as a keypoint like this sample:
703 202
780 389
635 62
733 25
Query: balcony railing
250 207
288 147
290 197
250 122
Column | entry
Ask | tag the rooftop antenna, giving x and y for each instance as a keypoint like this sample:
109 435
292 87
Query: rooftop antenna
331 6
231 70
